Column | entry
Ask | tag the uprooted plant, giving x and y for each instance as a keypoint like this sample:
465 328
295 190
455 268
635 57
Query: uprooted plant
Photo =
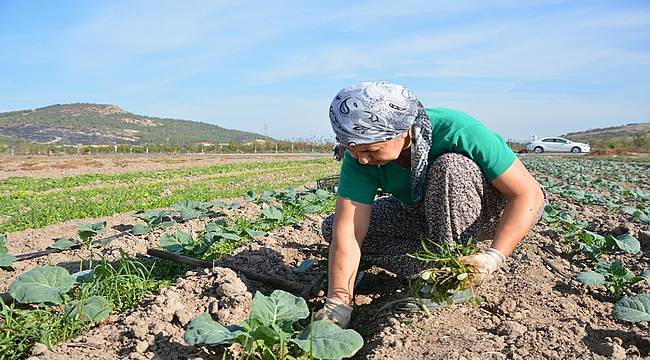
272 331
447 275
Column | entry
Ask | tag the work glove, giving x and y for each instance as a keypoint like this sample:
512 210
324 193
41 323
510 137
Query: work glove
486 262
336 312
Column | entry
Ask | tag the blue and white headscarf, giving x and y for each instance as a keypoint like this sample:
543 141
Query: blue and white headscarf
371 112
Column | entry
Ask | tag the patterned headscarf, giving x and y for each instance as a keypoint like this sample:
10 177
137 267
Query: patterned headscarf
371 112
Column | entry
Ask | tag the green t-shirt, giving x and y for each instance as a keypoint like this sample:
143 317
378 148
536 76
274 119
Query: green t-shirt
452 131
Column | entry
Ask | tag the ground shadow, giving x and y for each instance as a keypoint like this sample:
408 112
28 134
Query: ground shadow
596 337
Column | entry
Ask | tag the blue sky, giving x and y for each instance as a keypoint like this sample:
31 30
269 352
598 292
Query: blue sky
521 67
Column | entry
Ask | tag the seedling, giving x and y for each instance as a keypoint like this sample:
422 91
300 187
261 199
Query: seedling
614 276
154 219
87 232
639 215
224 205
272 332
180 242
63 243
265 197
447 276
6 259
189 209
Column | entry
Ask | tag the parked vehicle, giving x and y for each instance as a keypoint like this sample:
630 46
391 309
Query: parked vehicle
557 144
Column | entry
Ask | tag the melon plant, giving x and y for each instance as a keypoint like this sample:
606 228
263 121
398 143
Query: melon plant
272 331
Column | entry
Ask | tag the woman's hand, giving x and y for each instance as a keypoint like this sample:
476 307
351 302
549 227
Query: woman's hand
486 262
336 312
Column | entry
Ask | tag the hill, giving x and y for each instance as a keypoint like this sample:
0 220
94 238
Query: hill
630 137
72 124
629 130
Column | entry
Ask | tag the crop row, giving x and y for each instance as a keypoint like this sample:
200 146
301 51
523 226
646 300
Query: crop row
42 209
31 185
589 248
55 305
589 182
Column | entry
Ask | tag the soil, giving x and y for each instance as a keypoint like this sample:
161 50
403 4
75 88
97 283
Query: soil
532 308
43 166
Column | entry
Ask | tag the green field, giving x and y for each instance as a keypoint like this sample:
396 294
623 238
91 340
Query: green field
33 203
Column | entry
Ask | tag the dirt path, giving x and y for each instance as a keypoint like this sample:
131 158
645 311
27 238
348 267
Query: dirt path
63 166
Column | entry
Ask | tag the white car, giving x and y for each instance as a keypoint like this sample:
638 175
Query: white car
557 144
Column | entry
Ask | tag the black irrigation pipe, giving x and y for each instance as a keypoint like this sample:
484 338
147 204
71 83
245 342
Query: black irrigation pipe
50 250
304 290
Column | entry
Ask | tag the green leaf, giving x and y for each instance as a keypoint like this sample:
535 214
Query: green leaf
279 307
325 340
629 210
628 243
41 284
323 194
604 267
139 229
6 260
83 275
644 218
250 196
229 236
254 233
618 269
89 230
216 225
94 309
590 278
633 309
189 214
311 209
63 243
272 213
204 330
168 223
176 242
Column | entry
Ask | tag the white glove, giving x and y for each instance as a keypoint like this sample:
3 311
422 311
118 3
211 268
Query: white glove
486 262
336 312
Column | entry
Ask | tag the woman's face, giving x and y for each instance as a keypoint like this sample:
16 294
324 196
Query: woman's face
379 153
